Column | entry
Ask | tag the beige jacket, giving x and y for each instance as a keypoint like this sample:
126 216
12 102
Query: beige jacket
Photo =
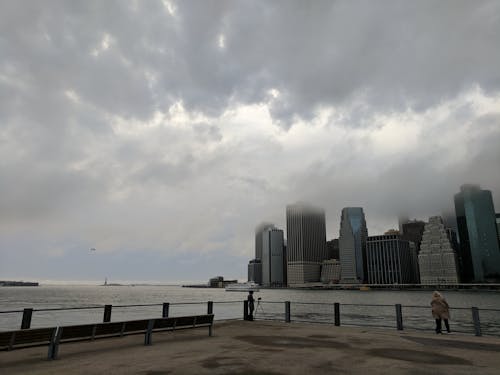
440 308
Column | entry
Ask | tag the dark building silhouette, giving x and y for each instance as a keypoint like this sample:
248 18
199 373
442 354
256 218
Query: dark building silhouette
413 231
389 260
479 248
352 245
306 243
332 247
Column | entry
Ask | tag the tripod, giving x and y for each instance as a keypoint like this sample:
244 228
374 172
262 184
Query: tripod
259 306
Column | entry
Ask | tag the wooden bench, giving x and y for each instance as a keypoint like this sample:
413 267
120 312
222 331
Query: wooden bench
26 338
148 326
55 336
178 323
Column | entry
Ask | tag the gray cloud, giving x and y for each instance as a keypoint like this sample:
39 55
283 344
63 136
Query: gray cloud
164 135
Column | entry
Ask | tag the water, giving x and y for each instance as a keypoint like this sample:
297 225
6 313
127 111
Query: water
361 308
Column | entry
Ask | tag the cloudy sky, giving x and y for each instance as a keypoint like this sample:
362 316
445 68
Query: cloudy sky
161 133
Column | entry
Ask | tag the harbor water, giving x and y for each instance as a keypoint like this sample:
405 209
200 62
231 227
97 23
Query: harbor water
64 305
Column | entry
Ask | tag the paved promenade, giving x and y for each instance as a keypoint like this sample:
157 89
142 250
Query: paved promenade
268 348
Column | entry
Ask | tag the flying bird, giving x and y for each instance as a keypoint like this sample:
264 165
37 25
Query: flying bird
92 249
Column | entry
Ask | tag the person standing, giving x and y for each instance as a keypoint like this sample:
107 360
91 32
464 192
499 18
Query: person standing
440 311
250 305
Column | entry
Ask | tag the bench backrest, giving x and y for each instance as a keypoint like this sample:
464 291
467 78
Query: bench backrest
136 326
204 319
27 337
68 333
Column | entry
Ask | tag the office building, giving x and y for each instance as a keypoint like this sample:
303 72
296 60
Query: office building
255 271
330 271
306 243
479 248
437 258
498 226
352 245
413 231
389 260
272 257
258 238
332 247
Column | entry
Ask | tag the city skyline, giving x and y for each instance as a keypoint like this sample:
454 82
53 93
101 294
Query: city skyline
159 133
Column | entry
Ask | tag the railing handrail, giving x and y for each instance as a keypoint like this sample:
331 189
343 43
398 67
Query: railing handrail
236 301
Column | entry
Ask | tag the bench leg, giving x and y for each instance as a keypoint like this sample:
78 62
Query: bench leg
149 333
210 330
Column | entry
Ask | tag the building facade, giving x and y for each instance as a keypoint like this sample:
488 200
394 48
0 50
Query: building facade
479 248
497 216
332 248
330 271
272 257
389 260
259 230
306 243
413 231
352 245
437 259
255 271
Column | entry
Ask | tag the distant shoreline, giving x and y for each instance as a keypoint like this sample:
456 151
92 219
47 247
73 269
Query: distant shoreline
18 283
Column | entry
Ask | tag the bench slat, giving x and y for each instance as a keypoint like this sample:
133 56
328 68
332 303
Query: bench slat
33 336
5 338
108 329
183 321
77 332
204 319
164 323
136 326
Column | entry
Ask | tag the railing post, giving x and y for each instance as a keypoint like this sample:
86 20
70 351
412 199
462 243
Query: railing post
26 322
477 322
287 312
107 313
210 307
399 317
164 312
336 308
245 310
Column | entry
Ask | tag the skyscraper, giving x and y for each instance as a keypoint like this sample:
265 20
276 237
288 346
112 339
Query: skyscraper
479 248
437 258
272 257
413 231
352 245
389 260
498 227
255 271
306 243
258 238
255 265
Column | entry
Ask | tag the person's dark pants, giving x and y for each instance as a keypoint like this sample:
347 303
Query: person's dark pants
250 315
438 325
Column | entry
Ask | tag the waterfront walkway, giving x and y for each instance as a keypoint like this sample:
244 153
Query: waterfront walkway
268 348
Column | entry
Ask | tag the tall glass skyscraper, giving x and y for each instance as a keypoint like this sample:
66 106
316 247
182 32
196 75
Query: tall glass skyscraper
306 243
479 248
272 257
352 245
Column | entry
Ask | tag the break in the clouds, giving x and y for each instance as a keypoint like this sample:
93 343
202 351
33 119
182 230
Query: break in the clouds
162 132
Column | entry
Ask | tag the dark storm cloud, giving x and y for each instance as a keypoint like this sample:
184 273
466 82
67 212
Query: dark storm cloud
145 125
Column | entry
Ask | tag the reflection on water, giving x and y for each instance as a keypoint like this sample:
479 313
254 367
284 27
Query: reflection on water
306 305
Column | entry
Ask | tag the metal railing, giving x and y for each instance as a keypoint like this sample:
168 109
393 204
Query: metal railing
463 320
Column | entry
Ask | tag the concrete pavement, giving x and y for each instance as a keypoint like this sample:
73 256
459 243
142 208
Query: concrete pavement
268 348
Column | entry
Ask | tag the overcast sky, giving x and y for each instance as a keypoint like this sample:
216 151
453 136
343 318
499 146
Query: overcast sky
161 133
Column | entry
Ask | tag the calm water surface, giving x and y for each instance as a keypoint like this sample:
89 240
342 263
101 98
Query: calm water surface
306 305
